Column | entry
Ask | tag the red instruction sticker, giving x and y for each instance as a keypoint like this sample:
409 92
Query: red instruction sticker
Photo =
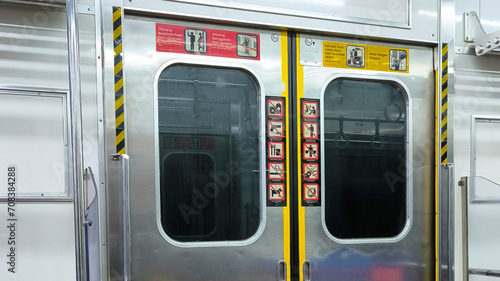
204 41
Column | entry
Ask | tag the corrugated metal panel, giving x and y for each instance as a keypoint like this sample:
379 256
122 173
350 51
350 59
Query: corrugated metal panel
33 48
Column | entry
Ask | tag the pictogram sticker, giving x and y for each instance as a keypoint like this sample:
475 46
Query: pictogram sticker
310 109
195 40
311 191
310 151
310 171
275 108
276 192
275 129
247 45
310 130
275 150
276 171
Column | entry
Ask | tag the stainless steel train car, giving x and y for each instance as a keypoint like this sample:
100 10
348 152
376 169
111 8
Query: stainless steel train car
249 140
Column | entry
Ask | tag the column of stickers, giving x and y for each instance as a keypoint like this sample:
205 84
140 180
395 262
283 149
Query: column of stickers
276 151
311 179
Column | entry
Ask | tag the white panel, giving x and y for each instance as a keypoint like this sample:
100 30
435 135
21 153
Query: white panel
395 11
488 150
484 231
490 18
33 139
44 242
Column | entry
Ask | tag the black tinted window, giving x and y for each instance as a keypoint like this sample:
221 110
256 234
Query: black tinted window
365 156
209 156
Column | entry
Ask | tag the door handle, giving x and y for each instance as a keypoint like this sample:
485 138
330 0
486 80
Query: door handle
282 270
307 270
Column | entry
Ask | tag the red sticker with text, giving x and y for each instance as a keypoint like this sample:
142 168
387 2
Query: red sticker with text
204 41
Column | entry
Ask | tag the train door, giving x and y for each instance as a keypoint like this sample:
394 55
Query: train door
255 157
372 217
206 132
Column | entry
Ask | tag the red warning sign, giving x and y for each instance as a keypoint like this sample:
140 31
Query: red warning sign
204 41
275 129
310 151
310 130
276 171
274 108
311 191
275 150
310 109
276 192
310 171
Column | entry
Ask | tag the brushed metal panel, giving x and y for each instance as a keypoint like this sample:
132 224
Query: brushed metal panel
396 12
410 257
153 257
422 25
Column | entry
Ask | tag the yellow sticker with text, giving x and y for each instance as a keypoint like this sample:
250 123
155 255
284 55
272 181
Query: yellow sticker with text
366 57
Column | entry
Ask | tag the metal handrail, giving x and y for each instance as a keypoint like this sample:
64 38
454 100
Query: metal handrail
484 272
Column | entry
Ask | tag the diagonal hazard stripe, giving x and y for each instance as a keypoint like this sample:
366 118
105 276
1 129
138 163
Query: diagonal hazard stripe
118 49
444 149
119 103
119 85
445 50
117 33
120 119
118 67
120 137
444 104
444 136
118 73
117 13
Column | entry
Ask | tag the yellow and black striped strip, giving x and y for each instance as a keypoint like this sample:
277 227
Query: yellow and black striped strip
119 99
444 106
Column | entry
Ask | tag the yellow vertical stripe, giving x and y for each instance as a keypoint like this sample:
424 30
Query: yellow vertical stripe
286 209
302 222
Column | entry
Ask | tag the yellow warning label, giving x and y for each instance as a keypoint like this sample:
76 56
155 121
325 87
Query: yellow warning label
366 57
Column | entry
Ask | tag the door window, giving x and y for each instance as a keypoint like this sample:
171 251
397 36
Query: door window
365 156
208 124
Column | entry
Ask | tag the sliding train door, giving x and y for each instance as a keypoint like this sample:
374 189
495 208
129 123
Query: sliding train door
205 111
366 165
258 154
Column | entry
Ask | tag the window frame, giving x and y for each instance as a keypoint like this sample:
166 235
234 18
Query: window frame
261 146
408 152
